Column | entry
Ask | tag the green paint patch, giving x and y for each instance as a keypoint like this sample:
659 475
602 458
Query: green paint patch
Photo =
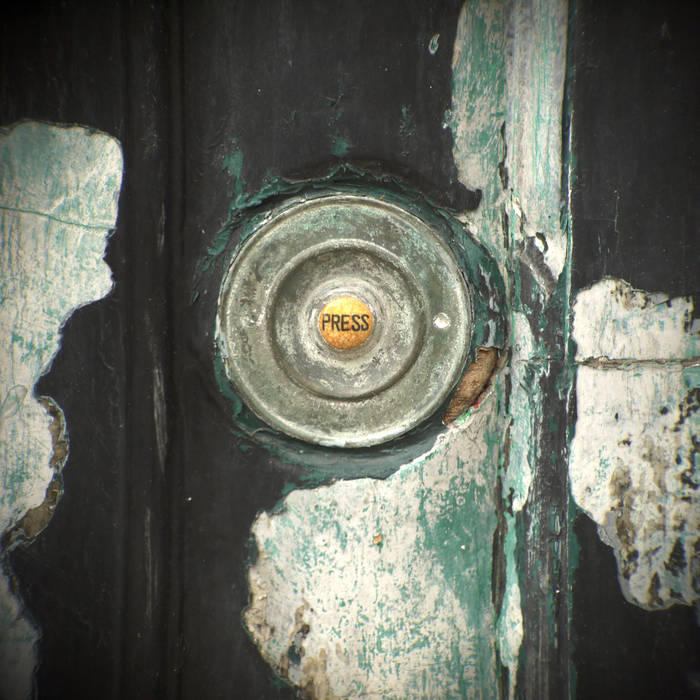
407 126
341 145
477 115
233 164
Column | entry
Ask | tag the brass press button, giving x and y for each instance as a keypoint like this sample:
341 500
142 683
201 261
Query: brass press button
345 322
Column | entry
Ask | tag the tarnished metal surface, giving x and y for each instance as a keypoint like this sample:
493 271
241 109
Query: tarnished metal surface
309 253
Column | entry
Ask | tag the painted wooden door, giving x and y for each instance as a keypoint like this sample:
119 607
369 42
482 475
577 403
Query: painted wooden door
546 545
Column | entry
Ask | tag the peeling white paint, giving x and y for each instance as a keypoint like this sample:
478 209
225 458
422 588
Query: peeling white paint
509 67
59 188
477 115
510 623
382 588
535 72
516 481
17 646
614 321
634 466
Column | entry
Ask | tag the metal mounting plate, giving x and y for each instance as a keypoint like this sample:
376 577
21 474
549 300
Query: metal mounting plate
309 252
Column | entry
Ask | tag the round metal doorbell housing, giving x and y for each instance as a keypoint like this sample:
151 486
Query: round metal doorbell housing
344 320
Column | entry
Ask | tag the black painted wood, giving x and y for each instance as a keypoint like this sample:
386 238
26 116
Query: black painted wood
635 216
637 144
619 650
139 581
283 79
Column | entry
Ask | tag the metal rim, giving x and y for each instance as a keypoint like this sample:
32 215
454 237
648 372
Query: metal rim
300 257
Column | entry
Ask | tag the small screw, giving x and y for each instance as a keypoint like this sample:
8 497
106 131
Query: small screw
441 321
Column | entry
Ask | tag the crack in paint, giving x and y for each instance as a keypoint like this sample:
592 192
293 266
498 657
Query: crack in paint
50 217
629 363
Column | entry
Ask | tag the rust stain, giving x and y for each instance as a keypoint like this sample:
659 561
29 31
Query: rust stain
315 684
296 651
37 518
473 383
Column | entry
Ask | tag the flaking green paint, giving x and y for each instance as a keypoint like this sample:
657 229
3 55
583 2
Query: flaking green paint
407 124
506 120
478 113
492 125
341 145
245 215
417 601
233 165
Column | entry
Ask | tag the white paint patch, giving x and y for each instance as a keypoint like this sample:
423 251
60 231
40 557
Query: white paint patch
535 72
477 115
614 321
510 621
634 465
17 646
59 188
380 589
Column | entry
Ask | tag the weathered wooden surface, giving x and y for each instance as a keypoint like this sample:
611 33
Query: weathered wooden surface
139 582
636 158
632 464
